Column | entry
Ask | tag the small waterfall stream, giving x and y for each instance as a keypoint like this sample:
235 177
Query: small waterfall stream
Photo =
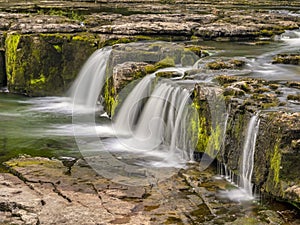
246 164
156 121
248 155
124 121
86 88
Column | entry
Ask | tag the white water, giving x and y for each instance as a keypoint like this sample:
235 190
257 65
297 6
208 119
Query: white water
292 38
87 86
244 187
262 66
248 155
129 112
159 124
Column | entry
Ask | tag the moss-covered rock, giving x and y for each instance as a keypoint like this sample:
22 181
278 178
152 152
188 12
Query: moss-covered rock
276 170
294 97
293 84
220 64
39 65
168 74
211 109
293 59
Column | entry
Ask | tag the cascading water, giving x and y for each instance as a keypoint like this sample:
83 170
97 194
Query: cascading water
248 155
86 88
157 121
246 164
124 122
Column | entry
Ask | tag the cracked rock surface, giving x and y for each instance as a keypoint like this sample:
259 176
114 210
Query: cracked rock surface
39 191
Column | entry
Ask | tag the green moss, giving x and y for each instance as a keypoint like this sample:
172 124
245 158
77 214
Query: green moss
167 1
266 32
110 97
85 37
208 136
217 65
238 126
29 162
274 86
224 79
203 137
59 12
275 162
58 48
268 105
173 220
166 62
150 69
11 45
57 37
111 42
38 81
195 49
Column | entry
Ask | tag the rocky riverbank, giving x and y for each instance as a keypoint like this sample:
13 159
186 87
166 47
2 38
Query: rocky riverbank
44 191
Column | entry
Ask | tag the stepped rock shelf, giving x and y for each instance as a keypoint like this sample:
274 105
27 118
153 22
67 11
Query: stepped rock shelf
43 46
64 33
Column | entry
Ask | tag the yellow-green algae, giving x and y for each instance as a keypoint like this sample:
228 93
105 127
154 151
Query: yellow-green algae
110 97
11 46
275 162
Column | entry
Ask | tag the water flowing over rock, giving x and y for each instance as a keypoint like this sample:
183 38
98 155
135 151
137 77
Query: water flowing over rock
90 81
248 155
167 106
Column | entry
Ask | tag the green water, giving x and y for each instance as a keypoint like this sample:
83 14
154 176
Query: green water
26 129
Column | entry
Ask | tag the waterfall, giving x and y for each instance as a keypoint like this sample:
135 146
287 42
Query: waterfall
126 117
248 155
86 88
243 183
157 120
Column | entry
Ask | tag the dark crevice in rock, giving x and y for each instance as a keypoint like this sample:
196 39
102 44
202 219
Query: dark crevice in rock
59 192
27 182
101 200
3 75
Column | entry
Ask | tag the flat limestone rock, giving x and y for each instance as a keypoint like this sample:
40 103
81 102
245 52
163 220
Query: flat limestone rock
43 191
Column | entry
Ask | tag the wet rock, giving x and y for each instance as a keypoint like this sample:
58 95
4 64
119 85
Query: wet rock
294 97
293 59
293 84
233 91
168 74
39 65
271 217
125 22
3 78
127 72
246 221
215 30
231 64
45 24
293 193
275 151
